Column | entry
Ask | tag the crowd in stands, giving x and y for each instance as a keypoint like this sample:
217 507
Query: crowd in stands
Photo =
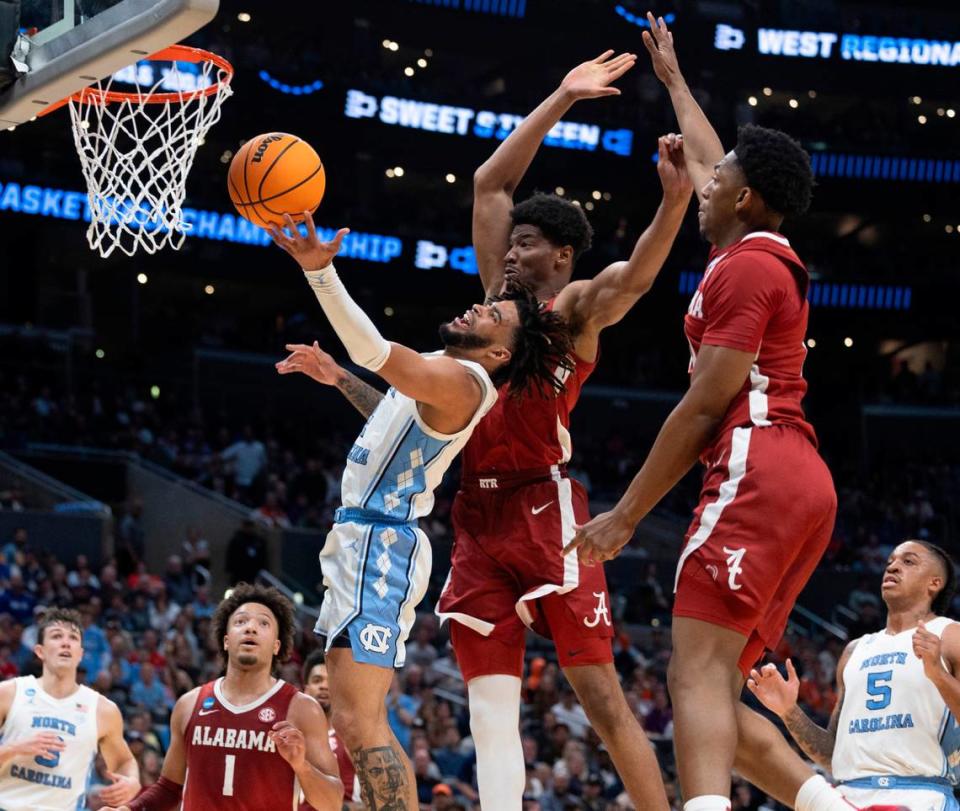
146 641
146 634
290 476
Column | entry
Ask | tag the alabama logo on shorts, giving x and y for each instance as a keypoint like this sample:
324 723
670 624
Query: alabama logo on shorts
267 714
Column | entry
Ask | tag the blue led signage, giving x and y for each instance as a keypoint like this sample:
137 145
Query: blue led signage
465 121
849 47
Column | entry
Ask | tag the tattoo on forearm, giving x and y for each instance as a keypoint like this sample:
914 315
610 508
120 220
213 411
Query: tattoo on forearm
383 778
362 396
816 742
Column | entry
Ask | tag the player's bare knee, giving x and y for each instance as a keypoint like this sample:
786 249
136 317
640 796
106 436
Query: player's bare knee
353 727
602 698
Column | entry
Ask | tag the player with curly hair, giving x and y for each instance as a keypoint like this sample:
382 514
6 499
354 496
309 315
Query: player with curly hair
376 560
767 505
247 741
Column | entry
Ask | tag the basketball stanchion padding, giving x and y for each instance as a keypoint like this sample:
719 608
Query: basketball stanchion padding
136 150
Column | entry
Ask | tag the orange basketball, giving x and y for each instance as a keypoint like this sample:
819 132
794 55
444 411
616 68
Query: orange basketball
276 174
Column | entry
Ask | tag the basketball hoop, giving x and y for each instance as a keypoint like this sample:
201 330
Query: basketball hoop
136 149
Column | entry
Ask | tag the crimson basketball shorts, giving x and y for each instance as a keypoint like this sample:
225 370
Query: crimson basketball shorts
764 520
508 573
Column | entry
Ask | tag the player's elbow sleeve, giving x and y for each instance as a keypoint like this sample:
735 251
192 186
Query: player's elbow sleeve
371 355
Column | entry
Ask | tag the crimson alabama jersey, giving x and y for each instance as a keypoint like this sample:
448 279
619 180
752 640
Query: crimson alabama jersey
527 432
753 298
231 762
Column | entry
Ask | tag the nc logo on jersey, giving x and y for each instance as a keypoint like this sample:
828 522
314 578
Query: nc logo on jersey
267 714
208 702
375 638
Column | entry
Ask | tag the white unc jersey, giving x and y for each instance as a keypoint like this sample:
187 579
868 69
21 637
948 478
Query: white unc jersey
893 720
58 783
398 460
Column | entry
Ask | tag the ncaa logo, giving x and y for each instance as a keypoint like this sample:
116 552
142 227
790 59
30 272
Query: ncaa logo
375 638
267 714
208 702
728 38
883 782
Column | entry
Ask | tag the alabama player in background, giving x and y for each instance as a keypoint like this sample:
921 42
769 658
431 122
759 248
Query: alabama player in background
893 735
316 685
247 741
767 504
53 727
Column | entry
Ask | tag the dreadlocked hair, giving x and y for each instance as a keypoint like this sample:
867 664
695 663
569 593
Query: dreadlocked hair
560 221
268 597
541 357
777 167
940 604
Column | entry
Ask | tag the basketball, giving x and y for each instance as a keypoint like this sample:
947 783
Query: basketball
276 174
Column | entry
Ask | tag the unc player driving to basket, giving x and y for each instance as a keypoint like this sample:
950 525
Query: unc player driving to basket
893 737
376 562
53 728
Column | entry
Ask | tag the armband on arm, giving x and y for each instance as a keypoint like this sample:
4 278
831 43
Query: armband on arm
164 795
363 342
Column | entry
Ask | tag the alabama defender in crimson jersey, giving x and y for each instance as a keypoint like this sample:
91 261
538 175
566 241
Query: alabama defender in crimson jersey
767 505
247 741
316 685
517 506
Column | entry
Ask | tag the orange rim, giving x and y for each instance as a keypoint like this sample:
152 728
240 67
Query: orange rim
174 53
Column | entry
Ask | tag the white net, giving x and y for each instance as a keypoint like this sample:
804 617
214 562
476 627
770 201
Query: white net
136 155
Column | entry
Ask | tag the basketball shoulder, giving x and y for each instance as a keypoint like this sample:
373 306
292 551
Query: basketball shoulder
107 711
183 709
8 694
304 711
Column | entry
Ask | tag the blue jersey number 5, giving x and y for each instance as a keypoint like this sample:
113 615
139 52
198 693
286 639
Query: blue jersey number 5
880 692
49 762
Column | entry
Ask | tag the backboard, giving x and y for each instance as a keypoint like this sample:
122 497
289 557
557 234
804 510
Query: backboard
65 45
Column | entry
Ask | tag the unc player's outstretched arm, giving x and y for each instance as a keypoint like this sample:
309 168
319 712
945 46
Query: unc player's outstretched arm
440 383
934 651
303 741
703 149
122 767
605 299
780 697
497 179
318 365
